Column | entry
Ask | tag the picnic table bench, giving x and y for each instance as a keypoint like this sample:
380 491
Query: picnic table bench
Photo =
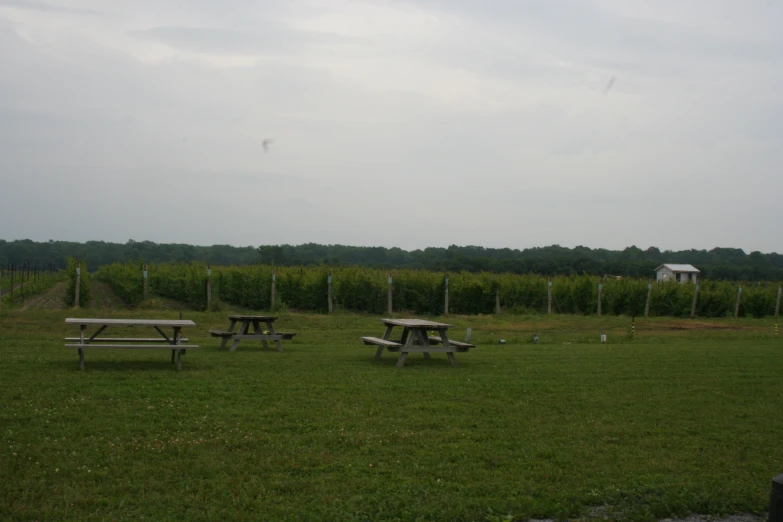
459 345
259 334
164 342
415 339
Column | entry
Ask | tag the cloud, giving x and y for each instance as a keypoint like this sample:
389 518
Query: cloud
264 37
596 35
488 121
44 7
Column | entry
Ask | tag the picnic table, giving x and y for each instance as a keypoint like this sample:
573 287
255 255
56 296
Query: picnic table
415 339
164 342
259 334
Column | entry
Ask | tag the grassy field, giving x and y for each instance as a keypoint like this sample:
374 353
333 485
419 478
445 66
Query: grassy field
683 419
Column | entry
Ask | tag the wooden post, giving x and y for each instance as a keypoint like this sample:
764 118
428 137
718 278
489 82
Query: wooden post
78 284
736 307
209 289
144 268
13 267
695 298
600 291
390 293
649 295
446 297
21 284
497 300
777 303
274 284
549 297
329 303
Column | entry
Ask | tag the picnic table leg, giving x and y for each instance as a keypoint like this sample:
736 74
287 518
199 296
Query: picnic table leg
421 338
257 330
278 344
179 352
242 331
444 337
409 339
424 341
224 341
82 328
173 350
387 333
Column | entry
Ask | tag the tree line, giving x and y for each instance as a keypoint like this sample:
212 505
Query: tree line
716 264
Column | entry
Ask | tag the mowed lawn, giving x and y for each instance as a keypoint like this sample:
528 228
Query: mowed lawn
669 424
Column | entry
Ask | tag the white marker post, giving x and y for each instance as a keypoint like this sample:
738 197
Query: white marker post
695 299
274 283
144 268
549 297
329 304
600 292
209 288
446 297
390 293
78 283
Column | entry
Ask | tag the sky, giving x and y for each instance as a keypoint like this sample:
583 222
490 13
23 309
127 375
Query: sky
407 123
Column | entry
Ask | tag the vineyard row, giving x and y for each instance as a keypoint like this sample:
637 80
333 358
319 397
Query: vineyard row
324 289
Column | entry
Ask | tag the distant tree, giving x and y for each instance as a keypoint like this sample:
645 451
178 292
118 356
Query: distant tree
716 264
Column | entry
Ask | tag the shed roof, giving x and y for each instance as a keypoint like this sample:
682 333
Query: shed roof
678 268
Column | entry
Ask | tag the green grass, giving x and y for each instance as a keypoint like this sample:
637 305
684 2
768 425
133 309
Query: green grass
685 419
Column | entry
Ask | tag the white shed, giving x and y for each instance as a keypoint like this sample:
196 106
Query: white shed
679 273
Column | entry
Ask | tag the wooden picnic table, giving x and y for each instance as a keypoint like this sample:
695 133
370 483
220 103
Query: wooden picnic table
259 334
415 339
144 343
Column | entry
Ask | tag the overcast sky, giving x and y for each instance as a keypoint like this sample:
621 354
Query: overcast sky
407 123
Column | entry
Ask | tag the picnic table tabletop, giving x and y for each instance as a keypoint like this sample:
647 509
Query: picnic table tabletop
131 322
241 317
415 323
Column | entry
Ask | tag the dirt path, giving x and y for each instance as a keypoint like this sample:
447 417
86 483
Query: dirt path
14 289
102 298
53 299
